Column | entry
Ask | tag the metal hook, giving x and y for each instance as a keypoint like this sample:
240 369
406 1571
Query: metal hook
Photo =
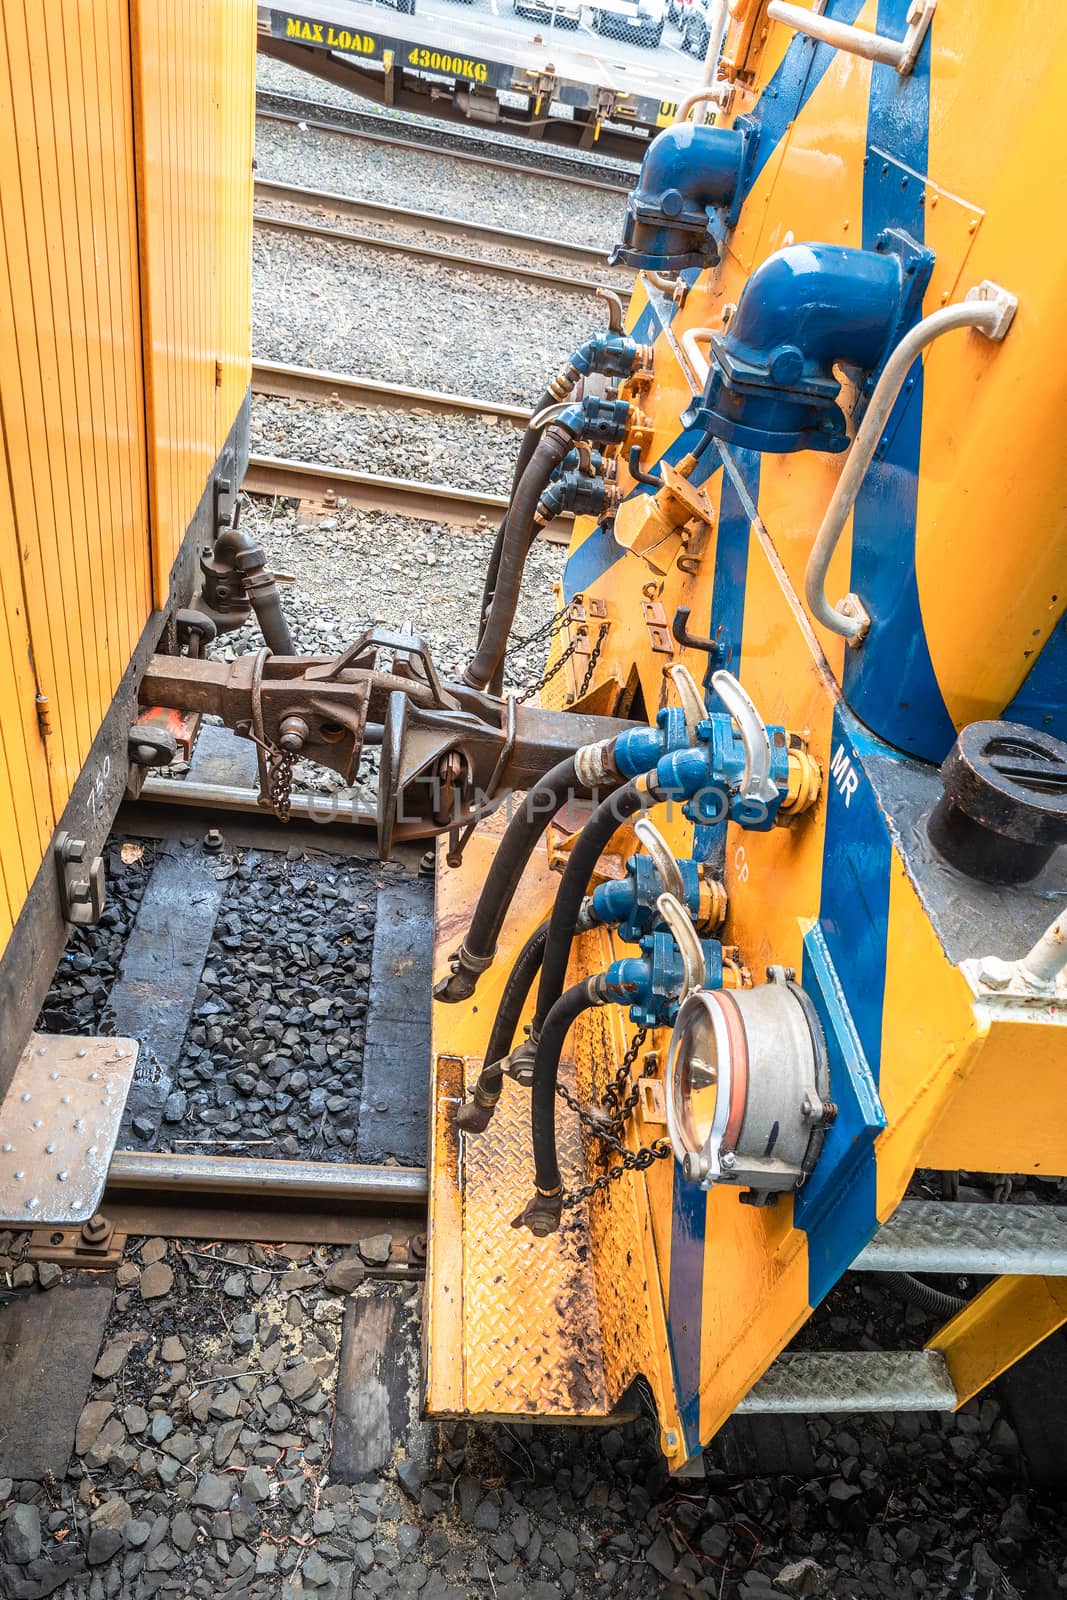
693 641
633 461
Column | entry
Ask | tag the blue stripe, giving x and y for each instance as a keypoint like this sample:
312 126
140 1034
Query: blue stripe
1042 698
688 1227
890 680
844 972
728 600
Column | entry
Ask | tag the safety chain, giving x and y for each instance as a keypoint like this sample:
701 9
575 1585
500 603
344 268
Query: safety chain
594 657
280 782
608 1124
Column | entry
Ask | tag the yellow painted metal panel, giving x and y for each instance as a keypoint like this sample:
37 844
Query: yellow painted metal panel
1000 1325
194 92
73 424
26 818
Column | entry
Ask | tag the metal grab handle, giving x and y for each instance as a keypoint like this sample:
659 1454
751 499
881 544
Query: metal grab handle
757 783
681 926
899 53
988 309
662 857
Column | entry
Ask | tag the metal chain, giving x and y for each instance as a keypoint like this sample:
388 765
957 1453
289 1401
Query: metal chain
608 1123
594 657
279 790
547 630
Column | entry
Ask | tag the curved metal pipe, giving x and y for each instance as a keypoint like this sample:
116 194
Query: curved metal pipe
991 317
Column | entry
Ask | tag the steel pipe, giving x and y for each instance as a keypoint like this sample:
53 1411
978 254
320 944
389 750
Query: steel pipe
162 1171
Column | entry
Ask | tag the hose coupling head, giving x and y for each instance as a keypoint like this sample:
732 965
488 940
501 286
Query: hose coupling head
477 1113
542 1214
594 764
520 1063
463 979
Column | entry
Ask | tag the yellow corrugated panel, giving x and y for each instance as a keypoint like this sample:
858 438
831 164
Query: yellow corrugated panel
194 93
70 359
26 819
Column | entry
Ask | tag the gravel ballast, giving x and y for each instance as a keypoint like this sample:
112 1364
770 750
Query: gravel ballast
202 1468
352 308
429 181
468 450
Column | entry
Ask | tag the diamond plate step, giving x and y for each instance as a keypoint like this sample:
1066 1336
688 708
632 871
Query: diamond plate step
59 1123
883 1380
961 1237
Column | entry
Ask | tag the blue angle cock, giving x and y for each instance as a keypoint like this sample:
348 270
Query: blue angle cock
687 197
771 383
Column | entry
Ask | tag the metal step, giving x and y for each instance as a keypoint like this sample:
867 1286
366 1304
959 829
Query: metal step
961 1237
831 1380
59 1123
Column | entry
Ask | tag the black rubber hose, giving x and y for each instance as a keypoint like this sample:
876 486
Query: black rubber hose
917 1293
475 1114
609 815
526 827
557 1024
519 535
520 981
527 446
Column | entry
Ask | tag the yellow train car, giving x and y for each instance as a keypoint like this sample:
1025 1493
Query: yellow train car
126 135
837 384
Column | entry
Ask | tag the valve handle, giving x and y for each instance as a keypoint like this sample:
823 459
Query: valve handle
690 698
757 783
656 846
686 937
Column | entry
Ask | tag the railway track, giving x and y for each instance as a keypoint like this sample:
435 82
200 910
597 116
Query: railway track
462 147
452 258
372 491
394 216
307 383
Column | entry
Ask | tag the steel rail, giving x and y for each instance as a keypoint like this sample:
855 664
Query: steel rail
341 205
232 798
161 1171
309 383
453 258
431 502
429 147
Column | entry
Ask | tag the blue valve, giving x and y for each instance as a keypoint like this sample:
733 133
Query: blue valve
595 418
709 776
651 983
630 903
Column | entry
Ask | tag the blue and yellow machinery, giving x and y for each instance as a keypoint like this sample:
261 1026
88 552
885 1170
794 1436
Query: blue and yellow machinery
125 326
824 578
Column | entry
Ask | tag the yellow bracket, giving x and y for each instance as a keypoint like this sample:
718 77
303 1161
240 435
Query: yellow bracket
1000 1326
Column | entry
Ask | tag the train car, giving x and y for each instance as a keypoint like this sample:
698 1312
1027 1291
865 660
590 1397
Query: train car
125 324
758 914
826 574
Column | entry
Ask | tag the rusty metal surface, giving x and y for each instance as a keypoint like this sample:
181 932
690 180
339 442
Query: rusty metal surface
531 1327
512 1322
58 1125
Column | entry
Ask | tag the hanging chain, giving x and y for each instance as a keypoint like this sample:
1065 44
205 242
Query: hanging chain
608 1124
594 657
546 633
280 784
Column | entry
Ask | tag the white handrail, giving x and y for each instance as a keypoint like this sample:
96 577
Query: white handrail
899 53
989 310
692 339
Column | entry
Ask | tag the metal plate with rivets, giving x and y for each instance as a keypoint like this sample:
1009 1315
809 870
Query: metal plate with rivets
59 1123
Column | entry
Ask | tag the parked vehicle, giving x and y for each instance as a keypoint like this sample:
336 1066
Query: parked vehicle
557 13
640 20
696 29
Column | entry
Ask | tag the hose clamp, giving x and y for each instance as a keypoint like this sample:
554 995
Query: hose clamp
594 764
